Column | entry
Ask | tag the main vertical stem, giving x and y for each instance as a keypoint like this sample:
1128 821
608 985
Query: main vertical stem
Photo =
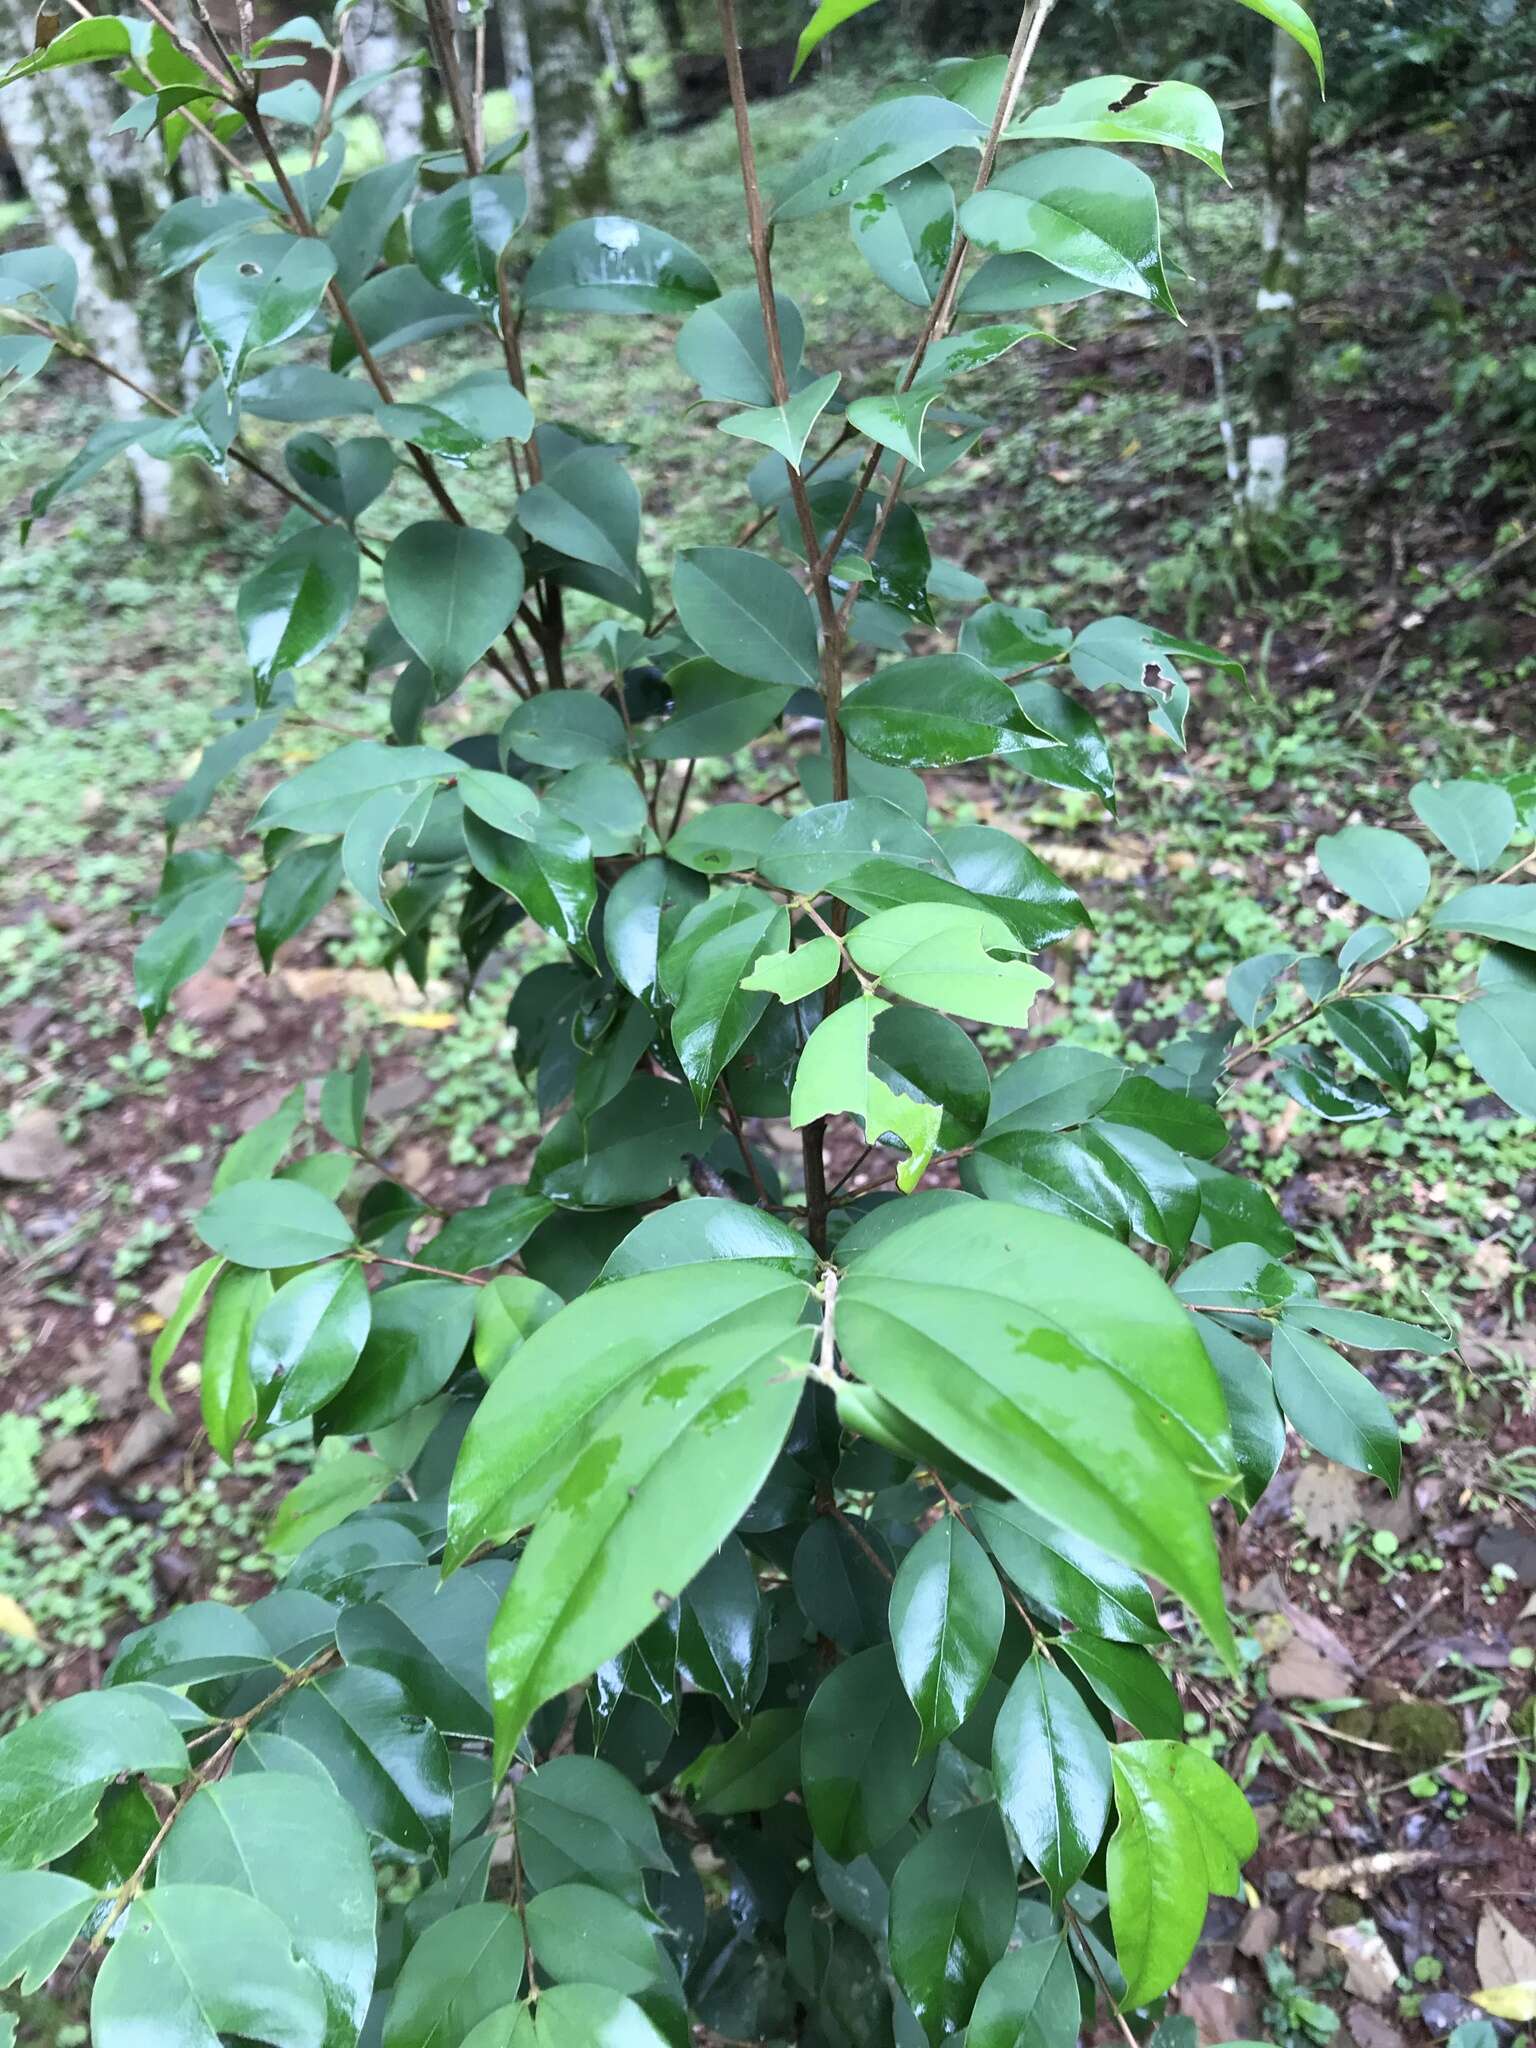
831 652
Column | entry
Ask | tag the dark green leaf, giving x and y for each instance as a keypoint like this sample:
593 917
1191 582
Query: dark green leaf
297 602
1129 1682
952 1909
1083 211
452 591
1050 1763
1335 1407
905 231
862 1773
388 1762
748 614
416 1337
947 1618
465 1967
458 236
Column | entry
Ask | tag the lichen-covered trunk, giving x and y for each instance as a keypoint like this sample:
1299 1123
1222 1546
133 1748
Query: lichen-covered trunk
374 38
1275 342
95 195
567 117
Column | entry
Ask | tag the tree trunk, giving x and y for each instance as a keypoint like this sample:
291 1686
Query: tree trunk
373 37
518 65
95 195
622 83
1274 345
567 123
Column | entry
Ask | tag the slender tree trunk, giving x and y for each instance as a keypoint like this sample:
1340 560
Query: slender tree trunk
95 195
1274 345
623 84
567 123
374 37
518 65
670 14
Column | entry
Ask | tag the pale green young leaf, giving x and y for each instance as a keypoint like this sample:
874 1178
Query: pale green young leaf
835 1075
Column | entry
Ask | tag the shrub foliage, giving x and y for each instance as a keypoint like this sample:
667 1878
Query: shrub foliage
721 1596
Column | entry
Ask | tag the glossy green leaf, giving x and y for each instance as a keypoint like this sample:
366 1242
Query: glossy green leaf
871 150
551 874
1473 821
1067 1344
458 236
947 1617
206 1639
1335 1407
451 591
952 958
388 1762
193 1963
431 1638
1030 2000
307 1340
836 1074
1084 211
1294 19
631 1150
465 1967
1050 1764
748 614
641 915
416 1338
953 1900
1170 115
722 1630
1311 1079
860 1762
755 1770
1498 1035
895 420
257 292
1184 1830
1237 1211
272 1223
934 712
679 1448
703 1231
299 1852
397 309
1258 1427
713 1013
1052 1089
297 602
296 891
564 729
841 1574
1129 1682
905 231
55 1766
345 477
612 265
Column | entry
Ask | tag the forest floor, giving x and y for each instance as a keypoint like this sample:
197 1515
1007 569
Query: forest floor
1388 633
